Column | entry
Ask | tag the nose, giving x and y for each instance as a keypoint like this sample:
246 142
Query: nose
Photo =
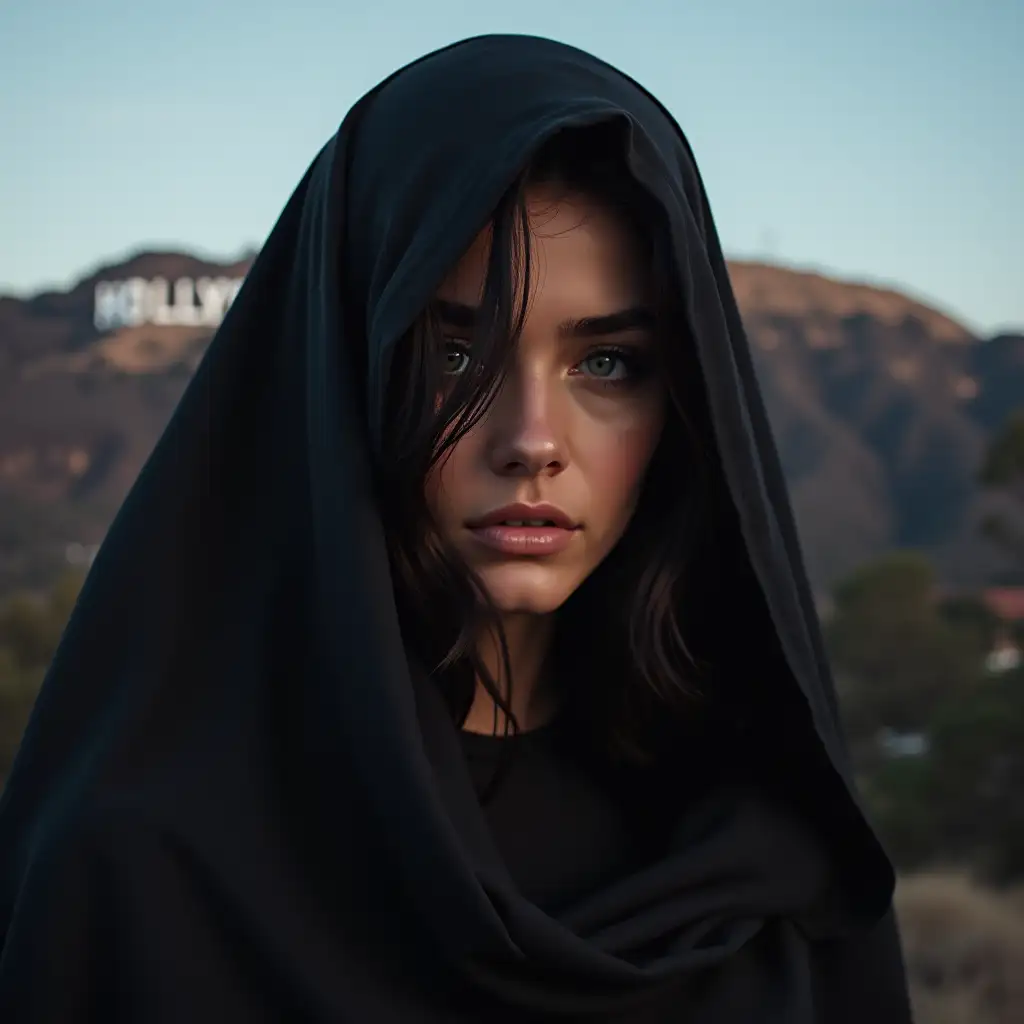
526 428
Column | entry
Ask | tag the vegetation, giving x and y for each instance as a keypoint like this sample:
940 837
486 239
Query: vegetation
964 949
1004 461
910 665
898 657
30 628
1003 470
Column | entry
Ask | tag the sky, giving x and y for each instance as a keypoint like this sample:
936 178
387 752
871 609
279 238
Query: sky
877 140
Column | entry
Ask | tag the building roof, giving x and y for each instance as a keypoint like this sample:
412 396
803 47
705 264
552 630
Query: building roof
1006 602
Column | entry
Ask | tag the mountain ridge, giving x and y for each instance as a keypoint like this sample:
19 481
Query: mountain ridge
881 406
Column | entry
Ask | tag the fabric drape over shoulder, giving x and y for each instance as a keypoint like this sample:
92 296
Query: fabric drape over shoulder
236 800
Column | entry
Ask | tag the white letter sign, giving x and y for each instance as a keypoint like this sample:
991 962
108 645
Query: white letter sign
188 303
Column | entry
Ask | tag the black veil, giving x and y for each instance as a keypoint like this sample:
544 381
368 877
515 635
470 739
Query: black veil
236 801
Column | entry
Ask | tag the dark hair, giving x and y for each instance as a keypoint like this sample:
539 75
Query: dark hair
635 663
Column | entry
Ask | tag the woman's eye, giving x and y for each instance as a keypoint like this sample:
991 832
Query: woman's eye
456 358
607 365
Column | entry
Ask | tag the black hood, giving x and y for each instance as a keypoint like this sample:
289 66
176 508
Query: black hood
235 788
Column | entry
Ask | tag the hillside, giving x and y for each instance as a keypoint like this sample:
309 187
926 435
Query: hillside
881 406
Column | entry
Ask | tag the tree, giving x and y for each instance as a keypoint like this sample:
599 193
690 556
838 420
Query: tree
962 801
896 656
900 796
30 629
1003 470
969 614
977 776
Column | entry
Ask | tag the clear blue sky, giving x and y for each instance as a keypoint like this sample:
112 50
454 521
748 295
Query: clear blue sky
877 139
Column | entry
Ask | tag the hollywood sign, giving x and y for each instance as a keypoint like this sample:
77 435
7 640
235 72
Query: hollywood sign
187 302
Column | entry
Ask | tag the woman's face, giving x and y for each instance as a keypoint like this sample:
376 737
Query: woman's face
538 493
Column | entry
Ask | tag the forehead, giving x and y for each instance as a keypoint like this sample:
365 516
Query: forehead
581 252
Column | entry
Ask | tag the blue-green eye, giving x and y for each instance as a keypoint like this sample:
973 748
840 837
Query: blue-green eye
456 358
607 365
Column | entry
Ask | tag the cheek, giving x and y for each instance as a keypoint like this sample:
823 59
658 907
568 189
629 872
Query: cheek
618 461
437 487
447 481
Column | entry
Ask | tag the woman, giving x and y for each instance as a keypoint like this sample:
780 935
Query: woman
452 658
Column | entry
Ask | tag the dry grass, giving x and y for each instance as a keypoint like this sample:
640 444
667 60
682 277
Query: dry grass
965 950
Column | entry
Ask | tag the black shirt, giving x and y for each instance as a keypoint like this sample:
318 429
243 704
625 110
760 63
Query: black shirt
566 823
563 825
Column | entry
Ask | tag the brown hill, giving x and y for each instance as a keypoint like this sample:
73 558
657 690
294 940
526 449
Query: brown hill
881 406
806 295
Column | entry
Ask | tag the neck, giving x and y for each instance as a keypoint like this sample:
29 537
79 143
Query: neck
532 703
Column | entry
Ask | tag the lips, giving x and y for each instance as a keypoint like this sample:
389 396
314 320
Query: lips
522 515
525 530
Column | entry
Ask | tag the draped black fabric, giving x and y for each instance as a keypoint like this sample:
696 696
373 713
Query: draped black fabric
236 800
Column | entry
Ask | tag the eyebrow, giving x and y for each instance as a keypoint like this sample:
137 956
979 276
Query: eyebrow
458 314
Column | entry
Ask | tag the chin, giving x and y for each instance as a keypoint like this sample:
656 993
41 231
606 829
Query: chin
527 589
